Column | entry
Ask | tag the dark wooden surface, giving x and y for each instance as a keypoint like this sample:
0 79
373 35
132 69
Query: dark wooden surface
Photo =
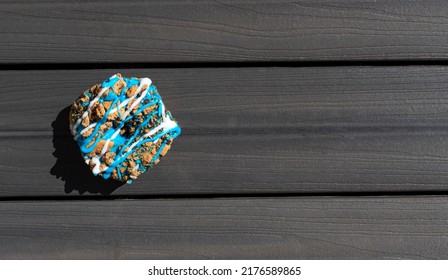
311 129
199 31
270 228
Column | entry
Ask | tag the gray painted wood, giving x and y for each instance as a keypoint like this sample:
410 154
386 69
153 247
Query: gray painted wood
208 101
240 164
245 131
215 31
269 228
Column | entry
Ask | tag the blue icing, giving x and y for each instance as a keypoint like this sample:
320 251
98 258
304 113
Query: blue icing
110 96
122 142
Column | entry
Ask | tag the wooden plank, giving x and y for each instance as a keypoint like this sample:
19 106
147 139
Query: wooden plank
240 164
229 30
245 131
222 100
268 228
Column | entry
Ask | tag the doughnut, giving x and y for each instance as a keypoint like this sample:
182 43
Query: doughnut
122 127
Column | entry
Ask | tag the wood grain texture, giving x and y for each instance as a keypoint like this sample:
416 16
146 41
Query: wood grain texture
268 228
216 31
250 100
240 164
245 131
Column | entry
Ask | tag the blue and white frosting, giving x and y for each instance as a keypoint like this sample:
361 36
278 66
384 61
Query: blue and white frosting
157 126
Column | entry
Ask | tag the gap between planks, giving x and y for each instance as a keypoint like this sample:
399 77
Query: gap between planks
180 197
221 64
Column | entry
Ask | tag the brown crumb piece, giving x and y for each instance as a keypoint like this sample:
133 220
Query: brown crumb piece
135 109
131 91
153 149
131 164
108 158
135 156
95 89
118 87
84 98
85 121
146 158
103 166
114 115
91 164
88 132
99 147
104 127
122 111
107 104
91 142
114 174
134 174
158 143
165 149
98 110
149 109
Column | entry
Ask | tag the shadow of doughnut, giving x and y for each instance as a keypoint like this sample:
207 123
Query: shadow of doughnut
70 167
